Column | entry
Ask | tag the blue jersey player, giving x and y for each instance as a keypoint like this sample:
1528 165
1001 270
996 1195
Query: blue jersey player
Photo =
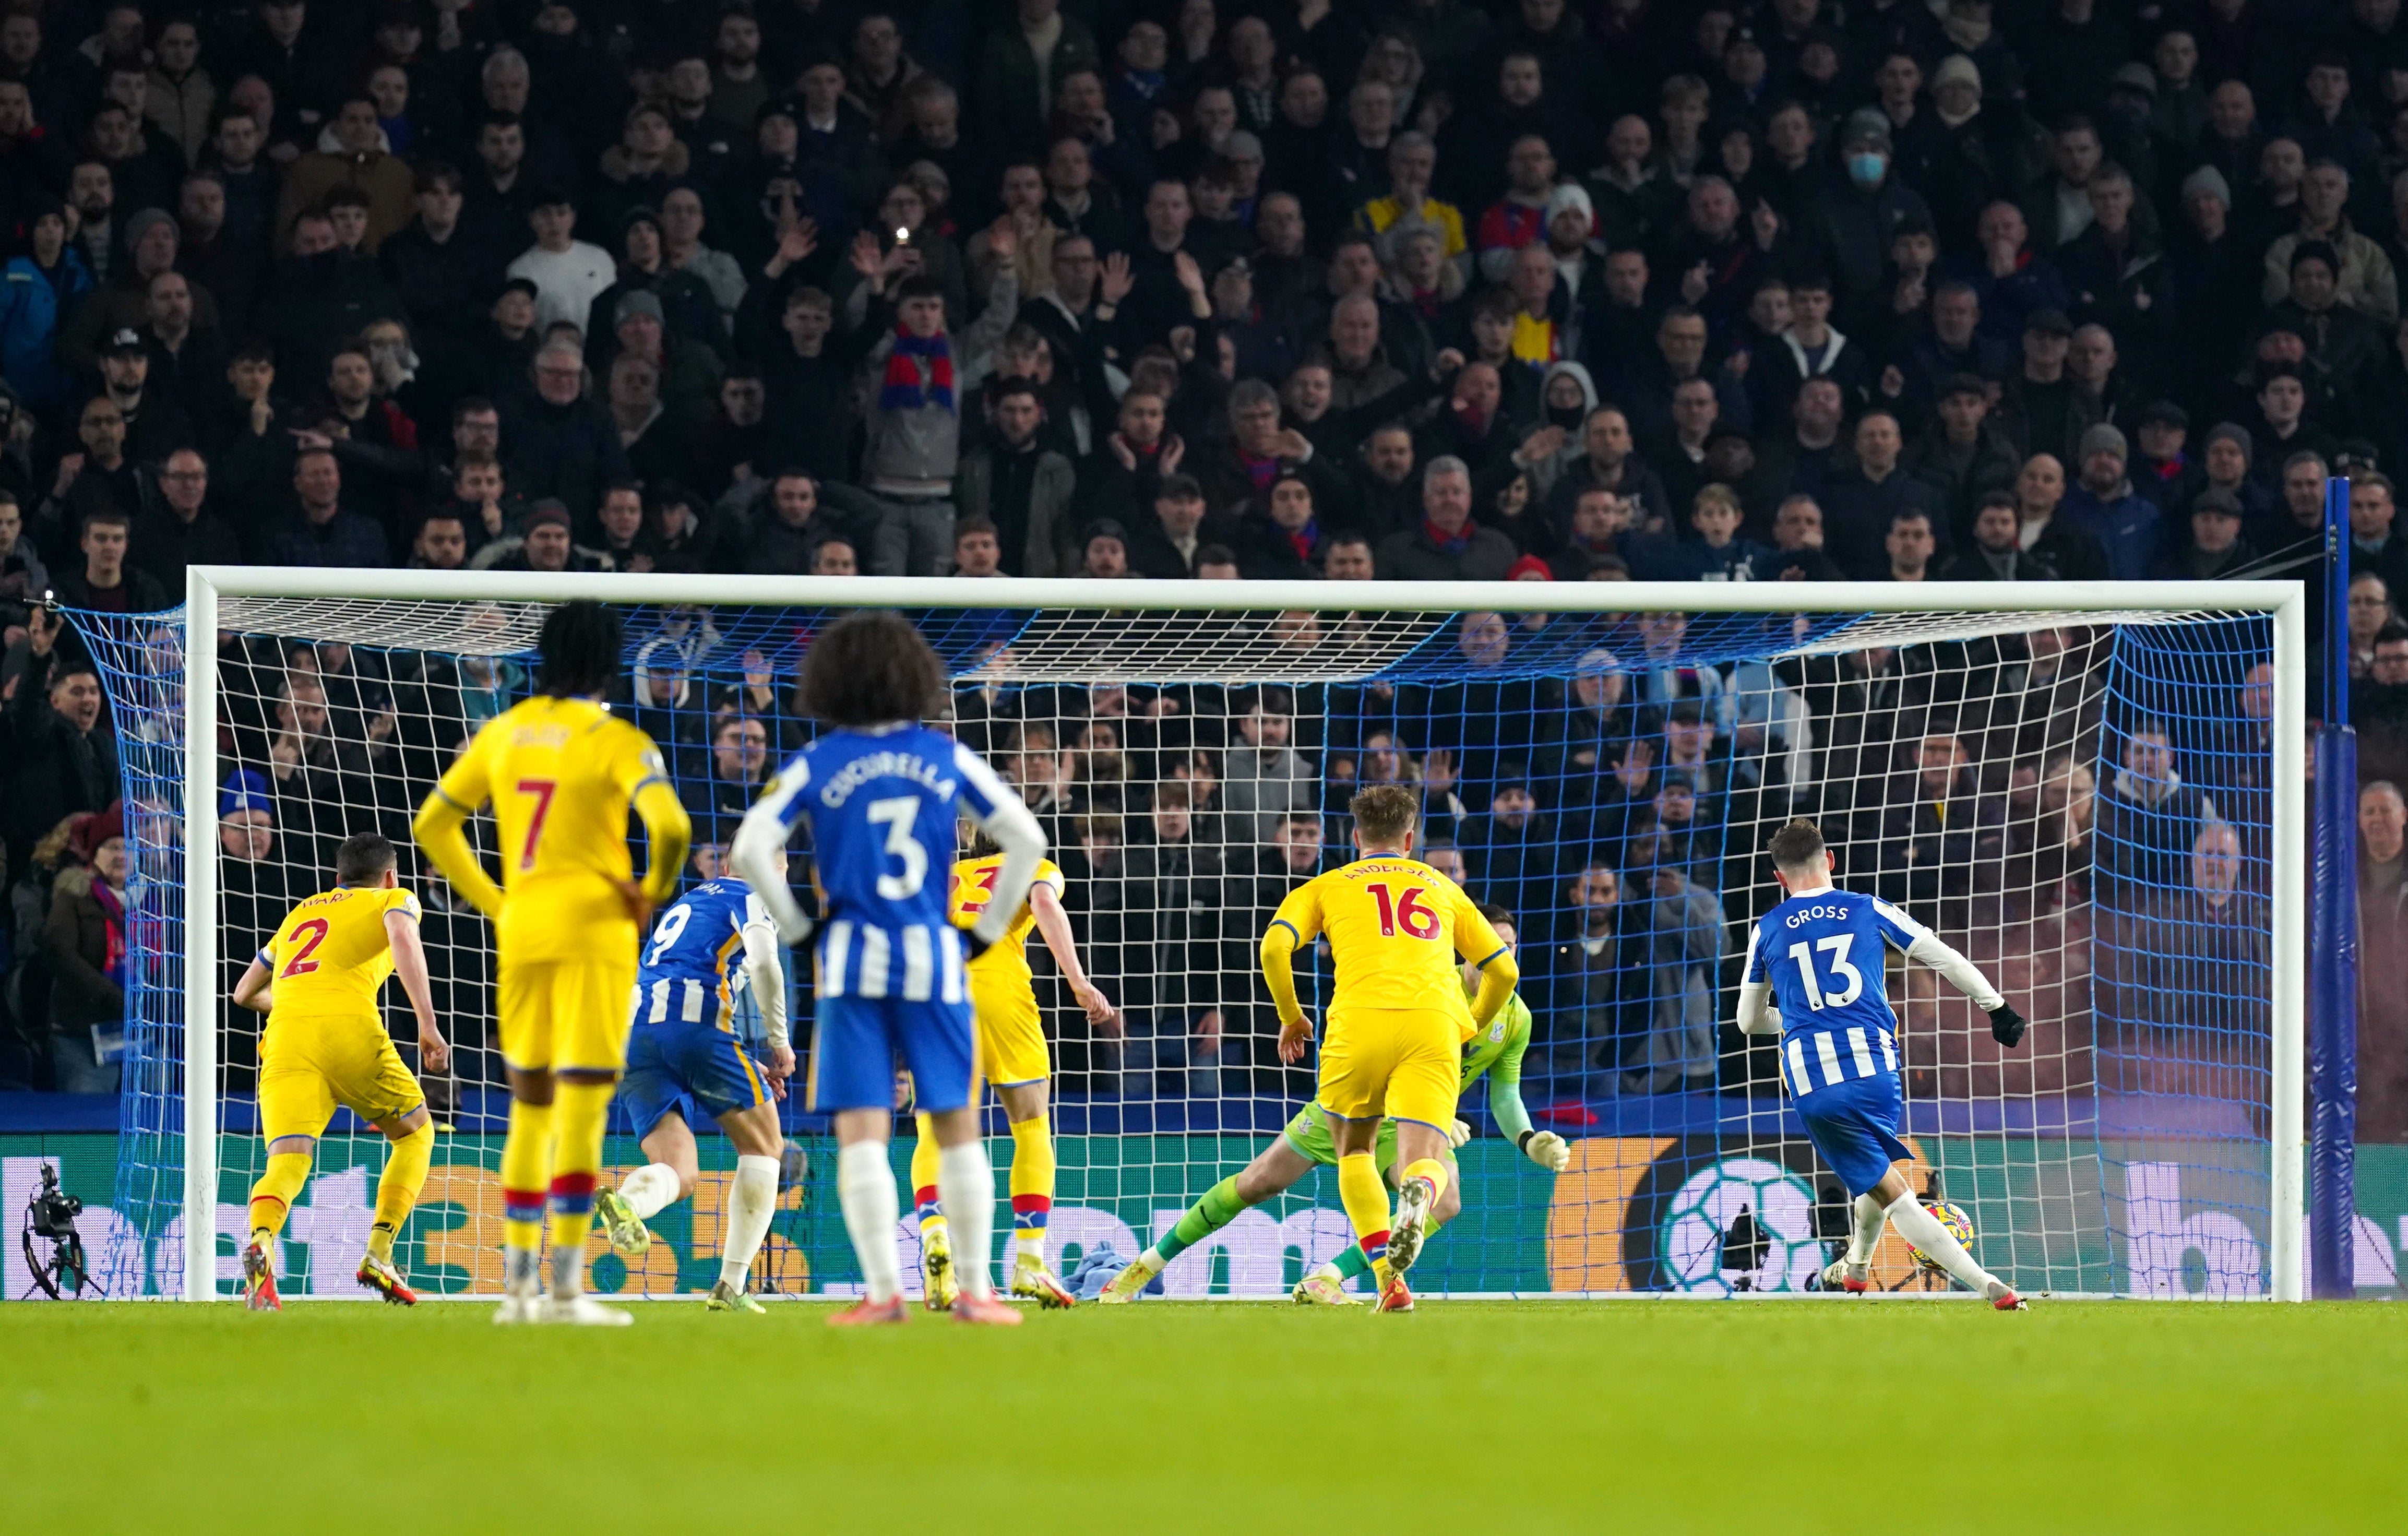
710 952
1818 955
881 793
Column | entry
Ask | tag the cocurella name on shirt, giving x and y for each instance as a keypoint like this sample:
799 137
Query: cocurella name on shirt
1808 914
907 766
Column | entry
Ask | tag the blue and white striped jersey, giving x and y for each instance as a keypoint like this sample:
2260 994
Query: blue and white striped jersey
1822 955
693 965
881 806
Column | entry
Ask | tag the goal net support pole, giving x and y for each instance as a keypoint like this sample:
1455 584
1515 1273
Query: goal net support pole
2333 968
1849 616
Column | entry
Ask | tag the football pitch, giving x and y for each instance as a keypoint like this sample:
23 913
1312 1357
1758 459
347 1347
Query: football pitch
1466 1418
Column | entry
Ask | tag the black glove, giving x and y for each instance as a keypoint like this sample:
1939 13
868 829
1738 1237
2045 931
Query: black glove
2007 1026
972 945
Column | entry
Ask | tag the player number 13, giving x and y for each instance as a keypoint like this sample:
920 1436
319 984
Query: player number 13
1851 983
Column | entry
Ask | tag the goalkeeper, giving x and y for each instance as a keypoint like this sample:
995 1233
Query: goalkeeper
1495 1053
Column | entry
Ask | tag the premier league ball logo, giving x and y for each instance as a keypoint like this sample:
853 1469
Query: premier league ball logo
1702 1242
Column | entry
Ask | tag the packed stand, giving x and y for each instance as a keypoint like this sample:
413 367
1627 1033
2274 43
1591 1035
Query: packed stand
1419 289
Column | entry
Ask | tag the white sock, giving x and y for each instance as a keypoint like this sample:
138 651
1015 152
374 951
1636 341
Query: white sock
522 1272
1867 1234
865 1186
1330 1272
753 1201
966 1188
650 1190
1152 1261
568 1271
1923 1229
1030 1242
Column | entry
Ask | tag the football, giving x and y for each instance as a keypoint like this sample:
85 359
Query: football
1960 1227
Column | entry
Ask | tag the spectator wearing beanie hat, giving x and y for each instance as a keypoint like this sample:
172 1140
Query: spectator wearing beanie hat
2162 467
2216 547
2226 457
2102 504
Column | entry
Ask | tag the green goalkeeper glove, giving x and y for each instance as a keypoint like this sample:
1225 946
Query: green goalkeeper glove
1460 1134
1547 1149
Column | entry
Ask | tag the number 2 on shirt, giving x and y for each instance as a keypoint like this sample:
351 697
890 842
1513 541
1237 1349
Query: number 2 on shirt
1417 920
543 790
308 935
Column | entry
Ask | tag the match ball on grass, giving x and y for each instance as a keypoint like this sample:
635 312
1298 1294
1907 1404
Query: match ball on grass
1960 1227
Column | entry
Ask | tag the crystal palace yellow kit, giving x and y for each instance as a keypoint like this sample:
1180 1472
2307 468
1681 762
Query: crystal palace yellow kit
562 774
1003 991
1392 1043
325 1042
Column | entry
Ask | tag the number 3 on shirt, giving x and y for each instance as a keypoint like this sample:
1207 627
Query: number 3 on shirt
1407 910
543 790
1852 982
901 814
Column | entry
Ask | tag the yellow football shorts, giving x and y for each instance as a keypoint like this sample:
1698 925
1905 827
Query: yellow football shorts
1404 1063
311 1063
566 1015
1011 1034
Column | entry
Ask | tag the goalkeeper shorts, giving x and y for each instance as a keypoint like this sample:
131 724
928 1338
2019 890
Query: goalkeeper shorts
1307 1132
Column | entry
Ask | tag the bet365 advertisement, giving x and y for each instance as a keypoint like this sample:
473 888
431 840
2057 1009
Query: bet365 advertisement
1655 1214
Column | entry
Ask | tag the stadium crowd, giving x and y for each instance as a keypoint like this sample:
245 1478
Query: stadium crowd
1424 290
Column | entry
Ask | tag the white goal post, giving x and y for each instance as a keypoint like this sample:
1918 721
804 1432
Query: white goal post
377 607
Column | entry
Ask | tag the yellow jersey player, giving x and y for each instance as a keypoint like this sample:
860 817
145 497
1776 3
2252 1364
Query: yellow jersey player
325 1044
1398 1020
1495 1053
1011 1055
561 774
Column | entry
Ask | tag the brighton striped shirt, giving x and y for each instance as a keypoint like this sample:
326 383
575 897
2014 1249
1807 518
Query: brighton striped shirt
912 962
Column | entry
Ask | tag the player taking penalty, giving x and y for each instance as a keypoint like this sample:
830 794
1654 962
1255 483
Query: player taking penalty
1495 1053
1012 1056
706 952
880 791
325 1044
1817 956
1394 1045
561 773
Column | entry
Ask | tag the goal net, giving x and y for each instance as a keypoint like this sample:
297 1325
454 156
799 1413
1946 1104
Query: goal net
2093 793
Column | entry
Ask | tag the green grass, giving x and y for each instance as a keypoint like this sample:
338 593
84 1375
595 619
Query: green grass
1466 1418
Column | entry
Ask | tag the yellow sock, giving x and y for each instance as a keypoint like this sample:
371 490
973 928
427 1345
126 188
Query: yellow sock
1432 1170
1365 1199
924 1179
578 1114
527 1178
271 1197
397 1188
1032 1184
